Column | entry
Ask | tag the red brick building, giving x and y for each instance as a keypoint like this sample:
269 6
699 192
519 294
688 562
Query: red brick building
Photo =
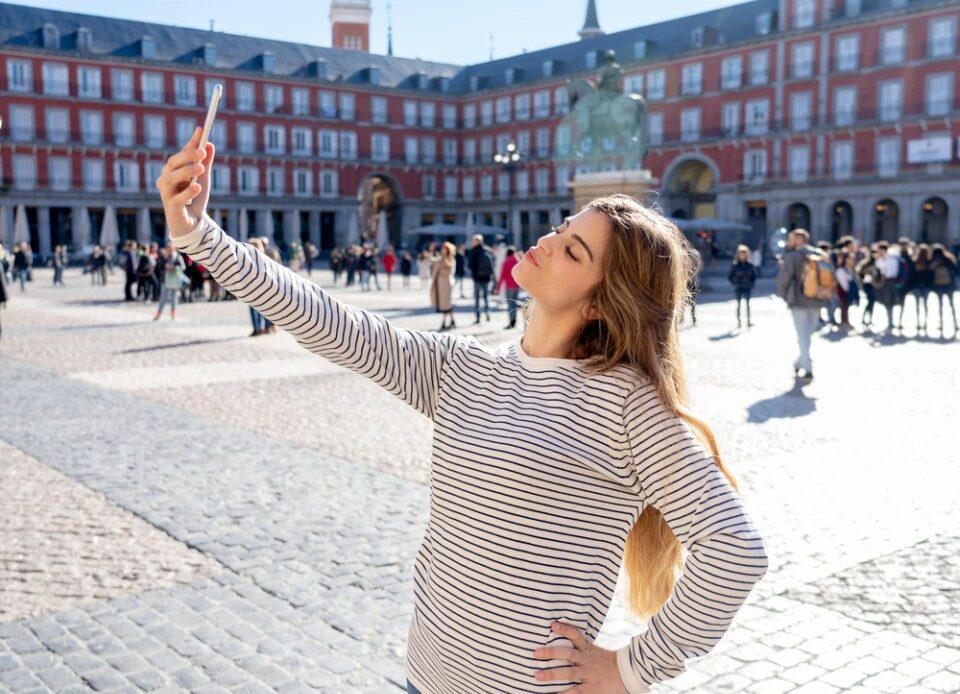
838 115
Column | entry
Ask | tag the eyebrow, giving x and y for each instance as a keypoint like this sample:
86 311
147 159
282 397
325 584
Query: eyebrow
583 243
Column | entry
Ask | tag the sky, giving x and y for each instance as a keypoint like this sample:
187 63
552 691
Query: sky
456 32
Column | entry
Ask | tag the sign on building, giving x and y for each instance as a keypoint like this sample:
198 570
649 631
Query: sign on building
929 150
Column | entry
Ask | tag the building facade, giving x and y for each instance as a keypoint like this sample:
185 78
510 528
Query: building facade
835 115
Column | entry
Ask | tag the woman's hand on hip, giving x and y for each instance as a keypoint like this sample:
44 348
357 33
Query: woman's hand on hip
184 202
595 668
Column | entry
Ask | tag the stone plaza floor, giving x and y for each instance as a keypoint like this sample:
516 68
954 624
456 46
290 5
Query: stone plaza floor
188 508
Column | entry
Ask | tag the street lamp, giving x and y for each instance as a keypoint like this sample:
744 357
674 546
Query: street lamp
509 160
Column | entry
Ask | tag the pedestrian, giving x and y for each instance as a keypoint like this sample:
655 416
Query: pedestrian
805 280
350 263
846 286
944 278
406 267
756 258
563 455
831 309
336 264
172 265
480 261
460 271
102 265
921 283
374 275
389 264
363 266
510 286
870 279
58 261
4 262
441 284
888 294
256 318
129 261
145 274
3 294
424 261
310 255
20 264
743 275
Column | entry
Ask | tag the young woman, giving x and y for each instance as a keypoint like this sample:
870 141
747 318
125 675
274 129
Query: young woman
846 286
921 283
870 277
943 270
441 284
743 275
554 458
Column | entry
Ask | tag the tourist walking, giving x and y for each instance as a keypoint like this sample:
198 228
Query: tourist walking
743 275
336 264
441 284
406 267
460 271
943 266
173 278
510 286
21 265
389 264
562 456
480 261
59 261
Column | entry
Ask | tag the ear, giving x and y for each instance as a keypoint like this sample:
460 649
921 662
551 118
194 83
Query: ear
590 312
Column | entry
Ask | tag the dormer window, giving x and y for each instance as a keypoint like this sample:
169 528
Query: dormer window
696 37
267 62
84 40
591 60
209 53
318 69
373 75
51 36
422 82
148 48
764 23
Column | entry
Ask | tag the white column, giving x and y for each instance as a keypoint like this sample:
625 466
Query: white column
43 230
288 224
233 223
315 228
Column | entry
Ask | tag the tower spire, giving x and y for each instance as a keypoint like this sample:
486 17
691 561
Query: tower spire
591 25
389 28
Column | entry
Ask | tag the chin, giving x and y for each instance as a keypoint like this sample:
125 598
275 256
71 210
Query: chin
520 276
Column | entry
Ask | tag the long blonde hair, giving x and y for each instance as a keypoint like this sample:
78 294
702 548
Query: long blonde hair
640 299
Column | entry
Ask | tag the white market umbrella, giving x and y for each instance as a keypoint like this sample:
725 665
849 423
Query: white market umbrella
353 231
83 228
4 226
295 226
469 228
21 231
243 225
109 234
143 225
383 236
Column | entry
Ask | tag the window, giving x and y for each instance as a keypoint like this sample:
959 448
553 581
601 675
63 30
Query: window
410 113
411 147
591 60
303 182
348 145
543 142
450 116
801 64
851 8
633 84
562 179
469 184
246 137
503 185
218 134
841 160
470 151
428 150
58 169
121 84
450 188
470 116
890 97
759 67
939 94
888 156
522 179
844 105
245 100
541 103
220 174
757 117
801 107
56 81
348 106
301 102
690 124
302 141
755 166
274 140
272 102
248 181
486 187
185 127
450 152
731 70
521 105
21 123
378 109
93 175
275 180
208 86
655 128
428 113
542 181
151 87
124 130
848 52
656 84
126 176
692 79
942 37
523 142
798 163
24 171
88 83
486 113
91 127
327 139
804 13
503 109
486 149
894 46
328 104
561 101
730 118
58 125
19 75
185 90
155 131
380 147
428 185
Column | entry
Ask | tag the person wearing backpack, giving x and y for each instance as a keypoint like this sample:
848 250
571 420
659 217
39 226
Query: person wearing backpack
943 265
743 275
480 263
805 280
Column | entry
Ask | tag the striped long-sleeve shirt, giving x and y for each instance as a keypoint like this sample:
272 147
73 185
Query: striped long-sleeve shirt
539 469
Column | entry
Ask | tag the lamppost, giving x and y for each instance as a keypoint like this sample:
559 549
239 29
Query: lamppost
509 160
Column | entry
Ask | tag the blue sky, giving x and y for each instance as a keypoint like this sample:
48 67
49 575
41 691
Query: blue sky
456 32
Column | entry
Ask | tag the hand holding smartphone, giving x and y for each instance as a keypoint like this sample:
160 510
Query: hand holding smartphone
208 123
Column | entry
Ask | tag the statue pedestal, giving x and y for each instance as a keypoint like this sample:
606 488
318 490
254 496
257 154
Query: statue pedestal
636 183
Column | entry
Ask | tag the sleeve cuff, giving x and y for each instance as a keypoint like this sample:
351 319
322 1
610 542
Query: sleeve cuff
633 683
194 236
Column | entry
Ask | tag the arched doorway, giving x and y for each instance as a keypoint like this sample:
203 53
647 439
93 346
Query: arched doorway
798 216
933 226
690 190
377 193
841 220
886 220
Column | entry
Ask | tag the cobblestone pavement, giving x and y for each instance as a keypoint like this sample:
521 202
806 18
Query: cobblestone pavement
255 510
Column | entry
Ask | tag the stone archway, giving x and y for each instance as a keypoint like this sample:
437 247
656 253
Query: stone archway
886 220
841 220
933 221
380 192
798 216
690 187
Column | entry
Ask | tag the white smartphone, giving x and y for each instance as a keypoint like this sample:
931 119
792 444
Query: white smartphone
208 123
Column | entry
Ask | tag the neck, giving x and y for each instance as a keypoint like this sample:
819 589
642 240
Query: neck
549 335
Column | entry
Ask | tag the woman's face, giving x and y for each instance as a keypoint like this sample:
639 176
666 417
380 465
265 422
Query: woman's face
562 270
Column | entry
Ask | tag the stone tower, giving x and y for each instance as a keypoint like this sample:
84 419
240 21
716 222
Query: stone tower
350 24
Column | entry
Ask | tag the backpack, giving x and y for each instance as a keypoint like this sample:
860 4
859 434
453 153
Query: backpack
484 264
942 277
146 265
818 280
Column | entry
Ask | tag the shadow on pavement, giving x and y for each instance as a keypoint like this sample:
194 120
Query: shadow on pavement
792 404
189 343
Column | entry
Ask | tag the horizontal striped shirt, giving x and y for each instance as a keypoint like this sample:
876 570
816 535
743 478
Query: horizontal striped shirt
539 469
